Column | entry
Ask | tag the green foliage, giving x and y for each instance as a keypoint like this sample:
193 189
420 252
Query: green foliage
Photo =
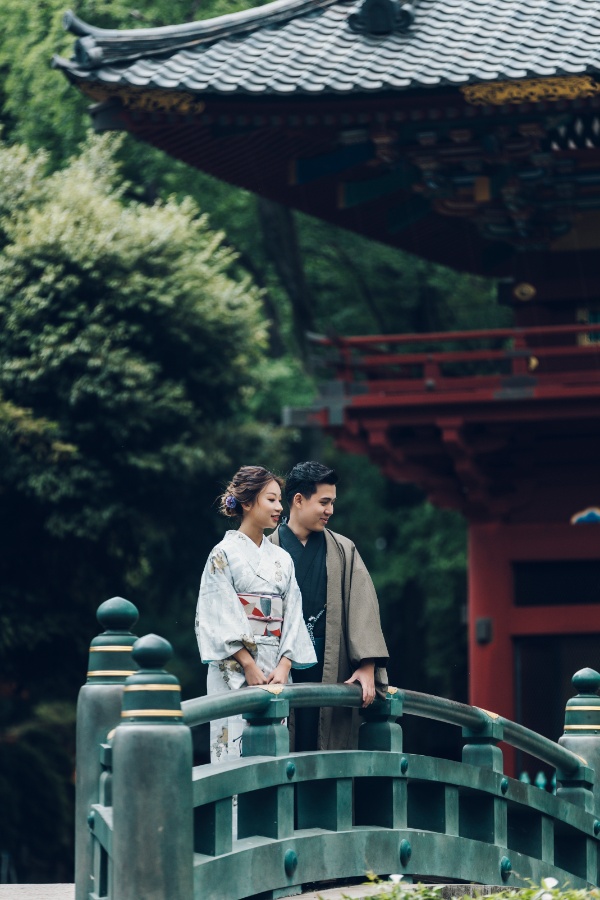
127 353
548 889
362 287
39 107
38 755
416 555
425 577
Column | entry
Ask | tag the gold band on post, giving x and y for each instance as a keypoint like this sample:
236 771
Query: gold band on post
112 648
174 713
590 727
153 687
111 672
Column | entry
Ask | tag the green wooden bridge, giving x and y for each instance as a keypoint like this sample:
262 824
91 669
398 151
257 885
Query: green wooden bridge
151 826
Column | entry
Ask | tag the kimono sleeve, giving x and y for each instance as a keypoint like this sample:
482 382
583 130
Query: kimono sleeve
295 642
222 627
364 635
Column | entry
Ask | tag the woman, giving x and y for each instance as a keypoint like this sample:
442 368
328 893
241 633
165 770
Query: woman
249 621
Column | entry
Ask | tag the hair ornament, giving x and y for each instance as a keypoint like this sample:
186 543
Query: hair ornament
230 501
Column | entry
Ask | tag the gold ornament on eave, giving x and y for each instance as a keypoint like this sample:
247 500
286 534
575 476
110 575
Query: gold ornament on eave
148 100
531 90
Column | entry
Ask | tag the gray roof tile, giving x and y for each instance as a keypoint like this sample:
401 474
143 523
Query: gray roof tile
306 46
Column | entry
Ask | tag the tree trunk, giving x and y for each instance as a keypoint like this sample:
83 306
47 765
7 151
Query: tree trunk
281 246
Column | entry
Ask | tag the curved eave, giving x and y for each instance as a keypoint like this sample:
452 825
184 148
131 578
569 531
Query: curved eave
113 76
98 46
308 48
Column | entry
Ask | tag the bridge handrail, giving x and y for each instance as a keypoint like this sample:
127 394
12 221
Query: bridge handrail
311 816
518 736
201 710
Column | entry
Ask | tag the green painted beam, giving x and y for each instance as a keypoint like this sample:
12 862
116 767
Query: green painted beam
100 822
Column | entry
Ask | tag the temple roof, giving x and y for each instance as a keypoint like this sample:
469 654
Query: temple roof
331 47
464 131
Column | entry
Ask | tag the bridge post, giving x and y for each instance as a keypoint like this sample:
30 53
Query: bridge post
265 733
481 748
487 819
382 801
98 711
582 736
267 812
152 784
380 730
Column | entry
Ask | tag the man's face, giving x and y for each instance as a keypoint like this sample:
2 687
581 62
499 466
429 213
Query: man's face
314 513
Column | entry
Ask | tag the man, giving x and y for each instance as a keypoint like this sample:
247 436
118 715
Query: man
340 607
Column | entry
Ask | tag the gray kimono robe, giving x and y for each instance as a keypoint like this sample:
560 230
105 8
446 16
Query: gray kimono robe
353 633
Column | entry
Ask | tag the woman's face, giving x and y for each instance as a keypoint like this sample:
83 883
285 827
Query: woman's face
266 509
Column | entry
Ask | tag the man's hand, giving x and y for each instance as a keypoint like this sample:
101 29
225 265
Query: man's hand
280 673
365 675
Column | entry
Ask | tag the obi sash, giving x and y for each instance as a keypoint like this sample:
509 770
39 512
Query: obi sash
264 612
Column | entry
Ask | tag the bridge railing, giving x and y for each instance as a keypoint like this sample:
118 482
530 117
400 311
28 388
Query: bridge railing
408 363
156 828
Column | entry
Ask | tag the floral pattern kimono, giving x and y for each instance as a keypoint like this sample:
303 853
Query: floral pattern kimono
248 598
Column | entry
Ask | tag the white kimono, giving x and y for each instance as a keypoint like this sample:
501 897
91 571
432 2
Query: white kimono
268 622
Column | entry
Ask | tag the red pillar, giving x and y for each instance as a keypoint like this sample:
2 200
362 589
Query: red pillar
495 621
491 665
490 600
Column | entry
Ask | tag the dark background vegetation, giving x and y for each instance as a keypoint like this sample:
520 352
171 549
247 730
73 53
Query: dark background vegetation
151 330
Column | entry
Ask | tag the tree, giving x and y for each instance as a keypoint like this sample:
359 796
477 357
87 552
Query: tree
127 355
130 354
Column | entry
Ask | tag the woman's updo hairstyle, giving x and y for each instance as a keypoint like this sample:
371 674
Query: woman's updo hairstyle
244 487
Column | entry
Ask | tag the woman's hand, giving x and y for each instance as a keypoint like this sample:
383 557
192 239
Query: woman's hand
253 674
280 673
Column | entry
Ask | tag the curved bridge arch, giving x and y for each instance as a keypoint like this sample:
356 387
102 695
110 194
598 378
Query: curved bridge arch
391 811
162 829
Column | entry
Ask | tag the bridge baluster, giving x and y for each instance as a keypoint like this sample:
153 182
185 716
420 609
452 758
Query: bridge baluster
326 803
481 748
486 819
99 710
152 783
213 828
267 811
380 730
382 801
102 864
266 733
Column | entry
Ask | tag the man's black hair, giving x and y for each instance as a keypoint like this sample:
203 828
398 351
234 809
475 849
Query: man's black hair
304 478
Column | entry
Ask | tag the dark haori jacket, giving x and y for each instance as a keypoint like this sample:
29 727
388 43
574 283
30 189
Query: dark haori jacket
352 633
